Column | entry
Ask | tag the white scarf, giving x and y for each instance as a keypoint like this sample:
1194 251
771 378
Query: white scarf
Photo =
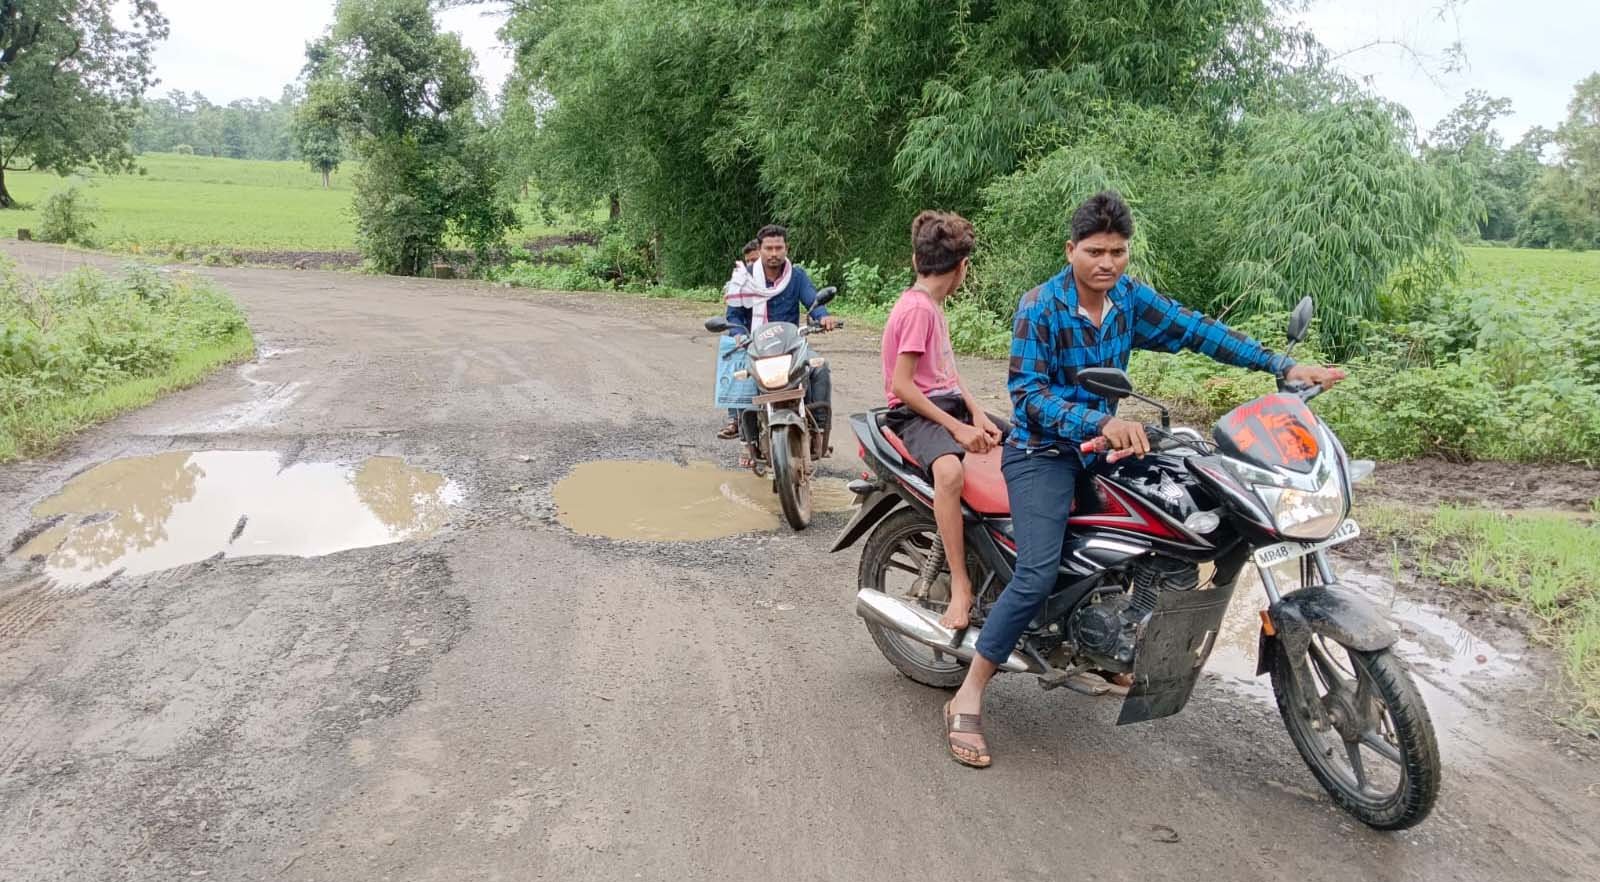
748 289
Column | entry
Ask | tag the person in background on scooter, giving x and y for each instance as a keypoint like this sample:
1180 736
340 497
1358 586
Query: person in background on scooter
1089 315
778 289
931 410
738 285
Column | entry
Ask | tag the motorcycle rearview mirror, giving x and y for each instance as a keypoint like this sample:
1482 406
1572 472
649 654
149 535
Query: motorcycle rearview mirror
1300 320
826 294
717 325
1111 384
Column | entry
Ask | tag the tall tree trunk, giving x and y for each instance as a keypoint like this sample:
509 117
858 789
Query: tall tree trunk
5 195
616 206
325 184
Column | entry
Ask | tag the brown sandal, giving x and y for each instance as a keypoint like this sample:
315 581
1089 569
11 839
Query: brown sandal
965 724
730 431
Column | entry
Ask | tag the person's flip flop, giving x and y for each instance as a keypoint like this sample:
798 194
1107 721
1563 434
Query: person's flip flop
961 752
729 432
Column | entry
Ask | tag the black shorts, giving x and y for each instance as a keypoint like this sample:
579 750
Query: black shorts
925 439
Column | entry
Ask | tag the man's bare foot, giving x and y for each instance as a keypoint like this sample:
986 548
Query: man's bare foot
959 613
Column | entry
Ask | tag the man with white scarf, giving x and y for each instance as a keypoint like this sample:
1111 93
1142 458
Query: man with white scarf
773 290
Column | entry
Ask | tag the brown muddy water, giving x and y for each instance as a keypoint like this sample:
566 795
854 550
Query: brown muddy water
150 513
652 501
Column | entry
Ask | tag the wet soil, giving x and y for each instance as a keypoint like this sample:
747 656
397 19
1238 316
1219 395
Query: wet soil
508 698
1433 482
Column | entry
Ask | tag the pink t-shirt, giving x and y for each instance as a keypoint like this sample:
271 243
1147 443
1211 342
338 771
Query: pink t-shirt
917 325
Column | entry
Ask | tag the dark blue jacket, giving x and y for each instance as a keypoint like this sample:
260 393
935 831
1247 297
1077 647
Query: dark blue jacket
784 306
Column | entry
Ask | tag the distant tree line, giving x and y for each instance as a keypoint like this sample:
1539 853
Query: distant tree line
249 128
1543 191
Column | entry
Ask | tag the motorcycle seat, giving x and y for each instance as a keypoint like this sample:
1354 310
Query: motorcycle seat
984 490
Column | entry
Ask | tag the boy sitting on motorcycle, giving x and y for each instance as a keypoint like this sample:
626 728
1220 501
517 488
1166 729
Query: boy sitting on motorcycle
930 408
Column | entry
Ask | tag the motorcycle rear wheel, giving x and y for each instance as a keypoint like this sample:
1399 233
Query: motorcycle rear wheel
1381 728
891 562
791 471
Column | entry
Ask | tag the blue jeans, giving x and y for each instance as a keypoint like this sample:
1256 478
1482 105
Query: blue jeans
1042 484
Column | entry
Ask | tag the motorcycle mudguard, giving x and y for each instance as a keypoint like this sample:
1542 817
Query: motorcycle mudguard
1331 611
1172 650
783 416
872 508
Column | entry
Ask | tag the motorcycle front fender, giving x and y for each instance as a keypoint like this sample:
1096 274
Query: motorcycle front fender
783 416
1332 611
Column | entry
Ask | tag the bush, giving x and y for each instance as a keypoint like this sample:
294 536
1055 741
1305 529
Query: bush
64 342
183 150
68 216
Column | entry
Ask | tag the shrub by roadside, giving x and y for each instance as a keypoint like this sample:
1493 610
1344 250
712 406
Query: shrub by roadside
85 346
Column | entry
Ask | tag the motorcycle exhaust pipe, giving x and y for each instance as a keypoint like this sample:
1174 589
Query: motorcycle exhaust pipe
922 625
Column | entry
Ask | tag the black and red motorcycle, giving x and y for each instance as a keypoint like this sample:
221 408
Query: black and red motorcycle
1157 546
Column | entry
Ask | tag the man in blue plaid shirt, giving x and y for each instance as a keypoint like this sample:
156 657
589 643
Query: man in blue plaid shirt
1091 315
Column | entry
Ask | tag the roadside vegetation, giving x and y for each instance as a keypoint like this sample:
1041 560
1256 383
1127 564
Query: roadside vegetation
85 346
1541 563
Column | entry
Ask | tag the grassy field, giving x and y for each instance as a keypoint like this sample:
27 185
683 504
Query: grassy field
206 203
1555 273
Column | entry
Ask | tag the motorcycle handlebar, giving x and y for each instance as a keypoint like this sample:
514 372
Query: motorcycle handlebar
1099 444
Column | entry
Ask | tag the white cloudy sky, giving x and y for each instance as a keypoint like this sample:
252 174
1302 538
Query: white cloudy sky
1531 51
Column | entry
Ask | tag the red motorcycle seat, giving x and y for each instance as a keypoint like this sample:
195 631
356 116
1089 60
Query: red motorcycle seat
984 490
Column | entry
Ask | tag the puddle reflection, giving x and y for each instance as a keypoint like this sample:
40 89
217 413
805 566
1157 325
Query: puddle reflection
150 513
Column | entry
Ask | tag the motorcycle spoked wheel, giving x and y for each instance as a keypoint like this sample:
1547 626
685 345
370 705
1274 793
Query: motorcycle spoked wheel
791 471
891 562
1378 759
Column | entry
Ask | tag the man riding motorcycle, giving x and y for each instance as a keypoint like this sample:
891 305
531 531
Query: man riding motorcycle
1090 315
777 291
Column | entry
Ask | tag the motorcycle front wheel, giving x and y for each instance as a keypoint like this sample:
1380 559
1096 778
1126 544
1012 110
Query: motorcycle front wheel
792 473
1371 745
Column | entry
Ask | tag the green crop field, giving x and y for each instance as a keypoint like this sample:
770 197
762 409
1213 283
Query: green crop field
203 202
1552 274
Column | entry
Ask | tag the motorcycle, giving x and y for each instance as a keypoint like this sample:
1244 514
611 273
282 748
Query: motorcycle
778 431
1156 549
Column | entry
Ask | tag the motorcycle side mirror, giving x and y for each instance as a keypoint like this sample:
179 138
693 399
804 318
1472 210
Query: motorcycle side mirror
1111 384
1300 319
717 325
826 294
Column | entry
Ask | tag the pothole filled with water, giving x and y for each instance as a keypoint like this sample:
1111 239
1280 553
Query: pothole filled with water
651 501
150 513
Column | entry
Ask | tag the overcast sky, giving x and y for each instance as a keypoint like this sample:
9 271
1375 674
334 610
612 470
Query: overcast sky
1531 51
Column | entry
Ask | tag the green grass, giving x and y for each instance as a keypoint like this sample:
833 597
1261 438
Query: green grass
1541 564
41 429
207 203
1553 273
85 346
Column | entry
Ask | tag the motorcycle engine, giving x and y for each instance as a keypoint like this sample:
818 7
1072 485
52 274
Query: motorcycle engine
1109 626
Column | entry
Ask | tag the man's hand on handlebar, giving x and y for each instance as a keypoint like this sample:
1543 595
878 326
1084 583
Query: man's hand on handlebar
1126 435
828 322
1314 375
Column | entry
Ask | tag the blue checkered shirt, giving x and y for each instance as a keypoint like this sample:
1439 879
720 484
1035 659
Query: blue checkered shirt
1051 341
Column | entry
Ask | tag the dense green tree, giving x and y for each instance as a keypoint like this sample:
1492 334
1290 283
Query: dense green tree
316 130
1500 178
72 73
406 93
1565 208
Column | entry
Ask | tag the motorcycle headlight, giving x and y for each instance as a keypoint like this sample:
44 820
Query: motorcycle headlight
1306 514
773 373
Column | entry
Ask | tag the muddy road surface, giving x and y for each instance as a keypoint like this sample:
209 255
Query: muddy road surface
472 690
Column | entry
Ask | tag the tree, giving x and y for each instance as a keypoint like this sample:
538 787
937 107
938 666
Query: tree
72 73
406 93
1565 210
316 132
1500 179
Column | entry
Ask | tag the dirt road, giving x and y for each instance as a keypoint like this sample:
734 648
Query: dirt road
508 700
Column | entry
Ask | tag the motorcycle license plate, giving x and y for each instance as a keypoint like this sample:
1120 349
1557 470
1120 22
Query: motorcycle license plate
1272 555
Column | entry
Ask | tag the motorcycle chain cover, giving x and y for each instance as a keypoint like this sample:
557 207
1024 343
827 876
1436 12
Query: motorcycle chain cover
1172 651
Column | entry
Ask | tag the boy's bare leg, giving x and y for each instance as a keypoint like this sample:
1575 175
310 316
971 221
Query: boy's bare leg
949 477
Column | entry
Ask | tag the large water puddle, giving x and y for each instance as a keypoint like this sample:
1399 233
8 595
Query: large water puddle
654 501
150 513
